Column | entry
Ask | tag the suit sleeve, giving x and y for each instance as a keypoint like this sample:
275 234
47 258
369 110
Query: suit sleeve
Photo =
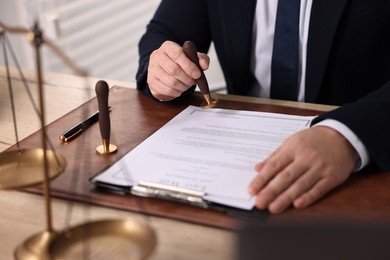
369 119
178 21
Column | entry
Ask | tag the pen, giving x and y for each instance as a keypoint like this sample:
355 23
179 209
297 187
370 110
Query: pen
80 127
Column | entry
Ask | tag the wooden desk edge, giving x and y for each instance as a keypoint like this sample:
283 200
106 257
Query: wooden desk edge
257 100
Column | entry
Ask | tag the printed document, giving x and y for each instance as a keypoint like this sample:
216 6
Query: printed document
209 150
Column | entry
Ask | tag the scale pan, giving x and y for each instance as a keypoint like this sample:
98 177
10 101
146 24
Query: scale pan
25 167
104 239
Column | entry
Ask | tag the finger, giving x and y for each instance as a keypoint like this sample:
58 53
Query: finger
299 187
171 81
322 187
278 189
177 54
271 167
204 60
175 70
158 89
162 85
163 92
260 165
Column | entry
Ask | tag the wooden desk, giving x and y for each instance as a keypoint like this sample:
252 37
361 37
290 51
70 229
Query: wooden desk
361 198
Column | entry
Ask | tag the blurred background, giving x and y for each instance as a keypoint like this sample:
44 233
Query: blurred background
99 35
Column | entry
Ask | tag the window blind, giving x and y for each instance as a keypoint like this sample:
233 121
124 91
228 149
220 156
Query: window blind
100 36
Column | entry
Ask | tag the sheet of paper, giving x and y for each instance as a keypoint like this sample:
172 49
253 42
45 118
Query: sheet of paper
208 150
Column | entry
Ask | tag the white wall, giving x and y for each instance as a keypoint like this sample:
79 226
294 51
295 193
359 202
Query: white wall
12 14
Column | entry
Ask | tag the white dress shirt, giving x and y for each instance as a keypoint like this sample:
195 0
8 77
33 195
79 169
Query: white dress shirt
262 45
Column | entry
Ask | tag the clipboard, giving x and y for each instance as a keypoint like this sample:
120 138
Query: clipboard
180 196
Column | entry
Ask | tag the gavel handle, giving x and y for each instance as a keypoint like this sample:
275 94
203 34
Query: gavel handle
102 90
191 52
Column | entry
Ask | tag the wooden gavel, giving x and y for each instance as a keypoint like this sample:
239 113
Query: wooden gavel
102 90
191 52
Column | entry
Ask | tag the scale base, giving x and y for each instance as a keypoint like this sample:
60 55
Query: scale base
35 247
104 239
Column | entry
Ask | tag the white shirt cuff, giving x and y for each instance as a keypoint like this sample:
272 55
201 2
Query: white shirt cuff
352 138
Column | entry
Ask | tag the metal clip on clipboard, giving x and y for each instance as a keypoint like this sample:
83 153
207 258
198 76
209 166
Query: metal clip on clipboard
161 191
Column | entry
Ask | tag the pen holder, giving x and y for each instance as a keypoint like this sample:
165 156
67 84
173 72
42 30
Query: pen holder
104 119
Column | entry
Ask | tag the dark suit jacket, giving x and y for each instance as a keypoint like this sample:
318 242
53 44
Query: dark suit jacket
348 56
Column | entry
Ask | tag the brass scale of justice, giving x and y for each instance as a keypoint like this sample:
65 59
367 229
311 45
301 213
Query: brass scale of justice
26 167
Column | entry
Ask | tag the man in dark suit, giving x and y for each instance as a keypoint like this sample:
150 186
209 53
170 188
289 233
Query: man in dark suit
344 60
